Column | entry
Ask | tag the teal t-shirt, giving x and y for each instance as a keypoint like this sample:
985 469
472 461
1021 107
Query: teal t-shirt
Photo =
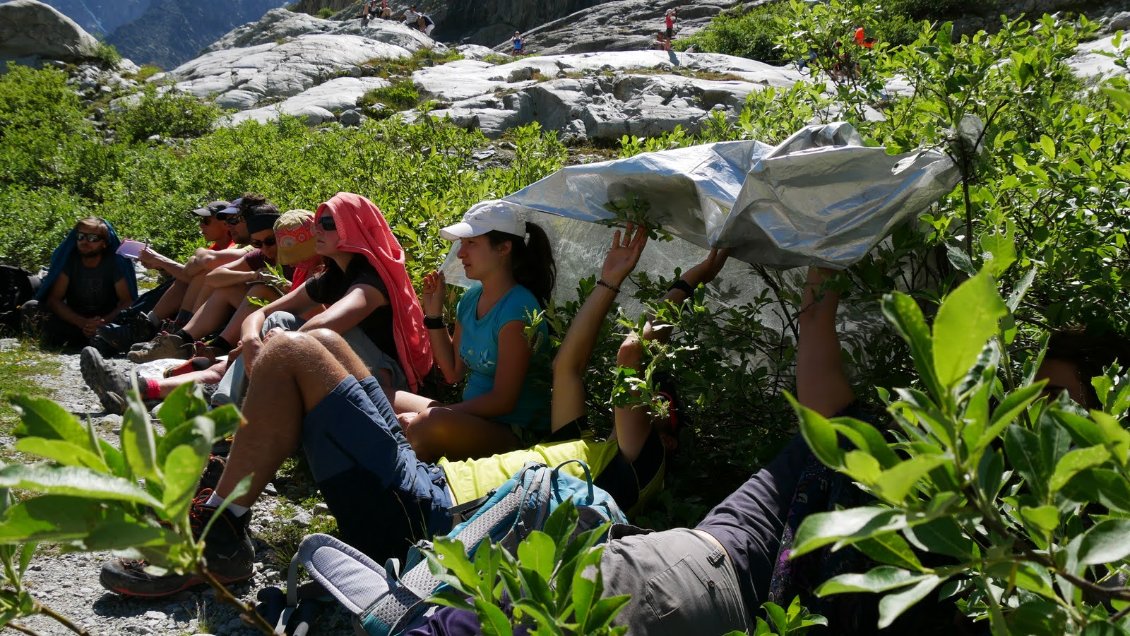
478 346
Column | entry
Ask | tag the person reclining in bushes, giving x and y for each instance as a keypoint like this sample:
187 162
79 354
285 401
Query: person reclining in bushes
313 392
713 578
87 285
223 302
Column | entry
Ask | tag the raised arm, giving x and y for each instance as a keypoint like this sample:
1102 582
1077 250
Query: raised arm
633 425
443 347
576 349
821 383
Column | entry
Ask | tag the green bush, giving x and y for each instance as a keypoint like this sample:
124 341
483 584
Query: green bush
169 114
400 95
748 33
108 55
325 13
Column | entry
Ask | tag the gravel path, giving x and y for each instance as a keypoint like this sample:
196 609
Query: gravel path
68 582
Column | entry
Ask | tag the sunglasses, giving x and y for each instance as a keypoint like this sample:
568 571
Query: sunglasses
205 220
89 237
267 242
326 222
232 219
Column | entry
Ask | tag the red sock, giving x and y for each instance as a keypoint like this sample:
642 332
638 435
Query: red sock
149 389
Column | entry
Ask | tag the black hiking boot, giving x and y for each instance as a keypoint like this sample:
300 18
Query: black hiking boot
109 384
228 552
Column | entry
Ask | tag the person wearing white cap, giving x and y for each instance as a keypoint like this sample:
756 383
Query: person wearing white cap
506 398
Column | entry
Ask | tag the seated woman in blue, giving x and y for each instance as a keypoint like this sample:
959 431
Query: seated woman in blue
506 399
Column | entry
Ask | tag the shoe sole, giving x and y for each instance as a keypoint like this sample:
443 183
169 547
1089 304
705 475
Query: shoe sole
93 376
191 582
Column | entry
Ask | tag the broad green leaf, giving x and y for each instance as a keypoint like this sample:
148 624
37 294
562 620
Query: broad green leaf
879 579
1106 542
861 467
1119 98
1105 486
1034 578
1074 462
1047 146
942 536
845 526
536 552
896 483
40 417
226 421
819 435
893 605
1045 518
1007 411
62 452
184 403
72 480
121 534
968 317
1000 251
493 620
1037 617
536 586
584 584
604 611
453 557
1023 450
868 438
1114 436
903 313
183 468
891 549
53 518
138 443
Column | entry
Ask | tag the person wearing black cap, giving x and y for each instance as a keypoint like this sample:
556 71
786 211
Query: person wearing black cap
225 293
177 302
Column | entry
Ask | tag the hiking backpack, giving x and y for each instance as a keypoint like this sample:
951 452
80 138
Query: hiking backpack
506 516
16 288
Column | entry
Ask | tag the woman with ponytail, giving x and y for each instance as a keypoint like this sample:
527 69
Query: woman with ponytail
506 399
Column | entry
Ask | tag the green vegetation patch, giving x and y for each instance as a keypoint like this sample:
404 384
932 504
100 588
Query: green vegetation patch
21 370
401 95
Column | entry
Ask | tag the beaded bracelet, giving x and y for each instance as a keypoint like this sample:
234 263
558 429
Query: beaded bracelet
607 286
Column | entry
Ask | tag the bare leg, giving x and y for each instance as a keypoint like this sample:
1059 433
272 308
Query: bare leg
293 374
216 310
821 383
170 301
211 375
193 293
408 402
441 432
231 332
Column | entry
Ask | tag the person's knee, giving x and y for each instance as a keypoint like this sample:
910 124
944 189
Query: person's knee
424 432
630 353
327 337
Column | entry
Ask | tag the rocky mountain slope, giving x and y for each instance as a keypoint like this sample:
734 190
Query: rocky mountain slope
100 17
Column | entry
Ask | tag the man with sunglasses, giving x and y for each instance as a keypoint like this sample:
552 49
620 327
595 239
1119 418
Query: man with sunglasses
86 286
226 293
177 303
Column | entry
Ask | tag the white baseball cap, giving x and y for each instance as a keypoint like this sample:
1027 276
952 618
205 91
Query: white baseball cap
487 216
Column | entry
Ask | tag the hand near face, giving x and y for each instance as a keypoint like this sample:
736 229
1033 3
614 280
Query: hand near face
434 288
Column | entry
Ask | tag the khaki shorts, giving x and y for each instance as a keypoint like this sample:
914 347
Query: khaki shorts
681 582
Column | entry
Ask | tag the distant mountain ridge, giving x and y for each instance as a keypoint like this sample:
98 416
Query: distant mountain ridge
166 33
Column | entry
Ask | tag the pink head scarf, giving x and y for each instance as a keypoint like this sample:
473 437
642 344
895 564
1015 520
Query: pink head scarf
362 229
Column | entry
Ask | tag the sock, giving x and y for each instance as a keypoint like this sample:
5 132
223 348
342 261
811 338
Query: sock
215 500
220 344
182 317
153 319
184 336
149 389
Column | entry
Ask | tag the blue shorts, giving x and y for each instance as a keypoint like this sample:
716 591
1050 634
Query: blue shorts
383 497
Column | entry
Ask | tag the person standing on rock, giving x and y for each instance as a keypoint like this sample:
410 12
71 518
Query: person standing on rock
386 12
518 43
669 23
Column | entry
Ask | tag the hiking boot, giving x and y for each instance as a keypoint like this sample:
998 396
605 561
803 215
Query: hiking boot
163 346
228 552
212 473
109 384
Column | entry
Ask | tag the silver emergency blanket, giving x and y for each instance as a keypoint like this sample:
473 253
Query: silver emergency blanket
818 198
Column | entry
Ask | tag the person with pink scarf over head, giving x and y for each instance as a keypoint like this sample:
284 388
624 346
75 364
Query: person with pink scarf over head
367 295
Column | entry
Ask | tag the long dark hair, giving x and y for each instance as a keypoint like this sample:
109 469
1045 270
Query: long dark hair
531 261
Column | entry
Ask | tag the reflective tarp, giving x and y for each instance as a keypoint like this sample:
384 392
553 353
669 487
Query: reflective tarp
820 198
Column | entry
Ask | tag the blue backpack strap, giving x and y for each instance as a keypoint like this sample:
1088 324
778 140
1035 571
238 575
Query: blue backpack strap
406 598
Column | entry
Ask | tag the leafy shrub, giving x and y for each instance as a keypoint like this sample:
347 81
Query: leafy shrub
325 13
108 55
169 114
401 95
748 33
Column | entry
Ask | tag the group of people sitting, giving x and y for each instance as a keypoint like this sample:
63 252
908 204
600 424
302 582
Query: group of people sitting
335 358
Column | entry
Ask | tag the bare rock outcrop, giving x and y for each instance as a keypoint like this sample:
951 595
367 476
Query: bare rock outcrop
31 29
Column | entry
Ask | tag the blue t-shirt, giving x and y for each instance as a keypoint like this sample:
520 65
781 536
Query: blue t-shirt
478 346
